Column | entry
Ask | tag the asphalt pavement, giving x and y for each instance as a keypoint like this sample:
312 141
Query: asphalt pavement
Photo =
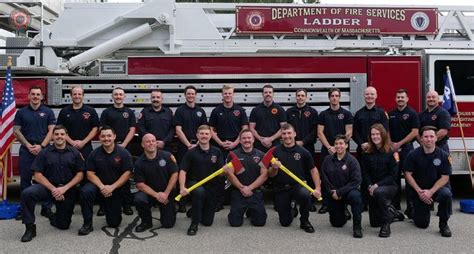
221 238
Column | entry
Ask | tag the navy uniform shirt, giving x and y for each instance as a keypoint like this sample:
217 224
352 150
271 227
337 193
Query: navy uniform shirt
198 164
297 159
334 122
439 118
379 168
341 175
428 168
34 123
159 123
155 172
59 166
250 162
402 122
363 119
78 122
267 119
228 121
109 167
190 119
305 121
120 119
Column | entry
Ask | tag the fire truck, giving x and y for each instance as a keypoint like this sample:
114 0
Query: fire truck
161 44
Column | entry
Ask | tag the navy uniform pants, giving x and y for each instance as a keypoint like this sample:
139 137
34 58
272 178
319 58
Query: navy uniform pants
283 197
421 216
336 208
37 193
379 203
112 204
143 203
203 200
240 204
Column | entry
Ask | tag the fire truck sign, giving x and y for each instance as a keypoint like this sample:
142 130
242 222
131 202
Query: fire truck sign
336 20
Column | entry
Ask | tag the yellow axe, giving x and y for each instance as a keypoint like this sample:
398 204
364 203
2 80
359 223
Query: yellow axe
234 163
268 159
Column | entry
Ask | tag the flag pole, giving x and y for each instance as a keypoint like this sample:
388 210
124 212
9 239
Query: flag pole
461 129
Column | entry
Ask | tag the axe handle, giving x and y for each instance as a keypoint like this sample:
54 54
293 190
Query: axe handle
203 181
297 179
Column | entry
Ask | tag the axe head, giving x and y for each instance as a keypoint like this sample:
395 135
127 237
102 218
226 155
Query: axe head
267 159
236 164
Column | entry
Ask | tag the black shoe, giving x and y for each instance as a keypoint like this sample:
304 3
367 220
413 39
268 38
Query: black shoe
127 210
409 211
85 229
192 230
19 216
357 229
313 208
323 209
294 209
189 213
444 229
46 212
143 226
385 230
101 211
29 234
395 214
181 208
347 214
307 227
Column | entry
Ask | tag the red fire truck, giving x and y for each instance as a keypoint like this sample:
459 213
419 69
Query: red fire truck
167 45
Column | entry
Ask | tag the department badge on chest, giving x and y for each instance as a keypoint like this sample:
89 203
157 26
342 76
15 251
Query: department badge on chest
344 167
405 116
86 115
162 163
340 116
117 159
256 159
236 113
436 162
42 114
199 113
125 115
434 117
297 156
274 111
213 159
307 114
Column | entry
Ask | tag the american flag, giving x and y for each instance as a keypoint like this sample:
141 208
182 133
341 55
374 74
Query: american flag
8 111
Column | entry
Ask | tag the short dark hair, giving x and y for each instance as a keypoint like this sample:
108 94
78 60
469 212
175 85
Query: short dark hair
267 86
402 90
302 90
340 137
428 128
34 88
332 90
190 87
59 127
106 127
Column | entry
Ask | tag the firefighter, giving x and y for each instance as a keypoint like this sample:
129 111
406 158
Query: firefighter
187 119
331 122
157 120
341 177
108 169
122 120
81 115
365 117
379 174
266 120
156 174
298 160
437 116
199 162
226 121
305 120
33 128
246 194
427 170
57 169
403 126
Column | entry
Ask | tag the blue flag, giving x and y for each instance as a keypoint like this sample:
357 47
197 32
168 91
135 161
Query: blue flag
449 96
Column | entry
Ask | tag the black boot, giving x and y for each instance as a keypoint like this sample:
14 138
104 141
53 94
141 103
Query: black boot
30 232
385 230
46 212
409 211
101 211
444 229
192 230
323 209
357 229
86 228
